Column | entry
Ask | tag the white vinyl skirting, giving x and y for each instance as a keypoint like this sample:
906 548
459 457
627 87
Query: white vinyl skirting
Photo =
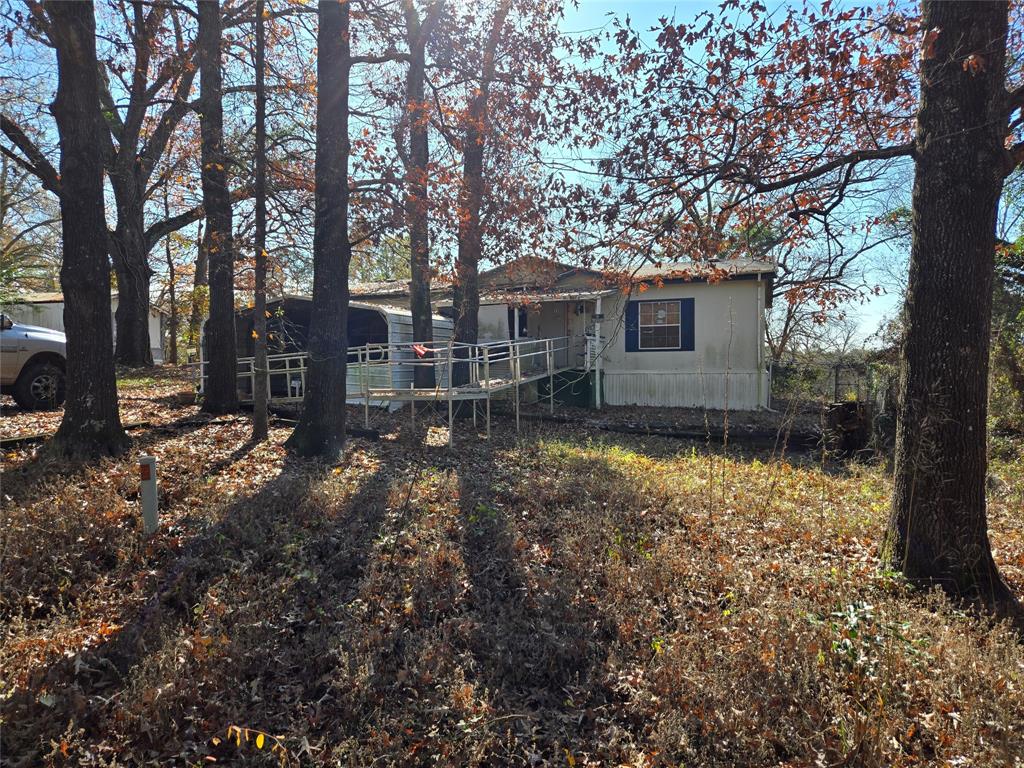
737 390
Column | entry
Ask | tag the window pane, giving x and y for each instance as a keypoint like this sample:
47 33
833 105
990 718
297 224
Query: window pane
659 337
646 314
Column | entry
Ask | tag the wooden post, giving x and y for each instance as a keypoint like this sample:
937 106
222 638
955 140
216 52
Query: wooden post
487 384
597 354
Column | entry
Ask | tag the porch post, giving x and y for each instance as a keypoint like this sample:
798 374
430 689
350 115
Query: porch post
451 415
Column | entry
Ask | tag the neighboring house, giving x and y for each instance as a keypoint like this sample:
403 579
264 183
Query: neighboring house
47 311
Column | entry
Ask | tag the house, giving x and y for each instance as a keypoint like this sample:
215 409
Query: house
672 335
669 335
47 311
677 334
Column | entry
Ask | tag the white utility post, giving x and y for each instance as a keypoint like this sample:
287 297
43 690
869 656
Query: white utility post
148 494
515 369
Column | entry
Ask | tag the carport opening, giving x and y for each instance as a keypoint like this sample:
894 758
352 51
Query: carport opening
288 328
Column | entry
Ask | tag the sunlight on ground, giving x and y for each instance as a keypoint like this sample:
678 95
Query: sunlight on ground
564 596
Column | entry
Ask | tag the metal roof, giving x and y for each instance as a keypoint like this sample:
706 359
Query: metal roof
702 269
536 297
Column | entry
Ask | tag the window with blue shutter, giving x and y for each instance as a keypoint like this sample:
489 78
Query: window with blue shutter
660 325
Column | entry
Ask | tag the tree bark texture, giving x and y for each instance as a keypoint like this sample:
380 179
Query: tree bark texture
220 393
938 531
466 291
260 395
466 298
200 286
129 256
172 293
91 424
321 427
417 204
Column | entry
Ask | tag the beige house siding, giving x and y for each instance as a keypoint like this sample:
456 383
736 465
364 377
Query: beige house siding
725 368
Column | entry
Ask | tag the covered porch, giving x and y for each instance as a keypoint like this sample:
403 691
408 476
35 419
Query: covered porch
537 316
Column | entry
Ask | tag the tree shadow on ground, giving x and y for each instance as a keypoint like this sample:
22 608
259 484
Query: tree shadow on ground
536 643
252 537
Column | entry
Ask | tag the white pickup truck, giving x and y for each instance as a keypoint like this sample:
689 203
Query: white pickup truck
32 364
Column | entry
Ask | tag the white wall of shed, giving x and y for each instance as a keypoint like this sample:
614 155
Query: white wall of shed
396 376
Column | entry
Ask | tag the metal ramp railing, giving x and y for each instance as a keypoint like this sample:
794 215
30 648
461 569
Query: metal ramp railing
385 373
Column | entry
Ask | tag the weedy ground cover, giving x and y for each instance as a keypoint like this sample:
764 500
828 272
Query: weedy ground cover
562 597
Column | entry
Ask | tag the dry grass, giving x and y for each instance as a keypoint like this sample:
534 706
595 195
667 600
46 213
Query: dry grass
557 598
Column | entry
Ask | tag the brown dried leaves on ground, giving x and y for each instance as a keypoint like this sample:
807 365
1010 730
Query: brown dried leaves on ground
559 597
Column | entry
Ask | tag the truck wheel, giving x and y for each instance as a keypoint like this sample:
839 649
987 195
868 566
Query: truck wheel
40 387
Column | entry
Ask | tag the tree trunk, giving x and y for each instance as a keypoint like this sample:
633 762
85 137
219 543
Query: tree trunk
129 255
200 283
260 394
417 206
466 296
321 427
172 292
91 424
938 532
220 393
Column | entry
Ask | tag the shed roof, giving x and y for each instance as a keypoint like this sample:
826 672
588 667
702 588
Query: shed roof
379 288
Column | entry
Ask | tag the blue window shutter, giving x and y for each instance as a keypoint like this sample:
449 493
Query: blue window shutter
686 322
632 326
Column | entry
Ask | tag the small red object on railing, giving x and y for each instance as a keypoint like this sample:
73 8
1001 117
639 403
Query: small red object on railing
420 350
